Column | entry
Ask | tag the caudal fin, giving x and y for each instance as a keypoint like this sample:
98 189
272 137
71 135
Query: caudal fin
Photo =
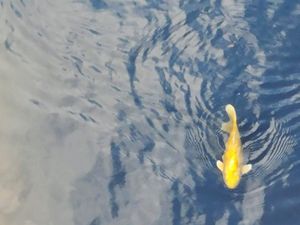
227 126
231 113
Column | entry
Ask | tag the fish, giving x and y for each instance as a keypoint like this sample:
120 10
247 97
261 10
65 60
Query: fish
232 166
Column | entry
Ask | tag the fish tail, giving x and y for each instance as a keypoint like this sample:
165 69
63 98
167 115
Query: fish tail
231 113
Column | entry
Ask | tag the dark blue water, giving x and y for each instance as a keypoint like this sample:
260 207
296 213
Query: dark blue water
111 111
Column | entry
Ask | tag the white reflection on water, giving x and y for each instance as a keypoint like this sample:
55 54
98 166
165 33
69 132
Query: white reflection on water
56 104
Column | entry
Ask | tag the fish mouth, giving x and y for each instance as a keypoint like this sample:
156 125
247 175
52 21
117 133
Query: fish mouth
231 187
231 184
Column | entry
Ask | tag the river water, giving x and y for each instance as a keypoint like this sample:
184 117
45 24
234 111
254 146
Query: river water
111 111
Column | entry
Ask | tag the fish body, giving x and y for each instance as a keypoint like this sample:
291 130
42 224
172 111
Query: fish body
232 166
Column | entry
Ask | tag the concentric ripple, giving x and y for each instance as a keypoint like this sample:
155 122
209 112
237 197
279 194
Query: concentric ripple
197 63
204 92
268 146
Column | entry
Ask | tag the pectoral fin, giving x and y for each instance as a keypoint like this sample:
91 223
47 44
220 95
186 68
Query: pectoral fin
226 127
220 165
246 168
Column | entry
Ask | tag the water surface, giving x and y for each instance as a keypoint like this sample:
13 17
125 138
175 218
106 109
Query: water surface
111 111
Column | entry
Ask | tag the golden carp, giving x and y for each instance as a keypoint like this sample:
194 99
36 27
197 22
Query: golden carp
232 166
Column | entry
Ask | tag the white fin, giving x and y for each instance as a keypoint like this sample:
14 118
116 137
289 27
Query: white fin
246 168
226 126
220 165
231 113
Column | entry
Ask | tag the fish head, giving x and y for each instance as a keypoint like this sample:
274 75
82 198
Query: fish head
232 181
232 175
